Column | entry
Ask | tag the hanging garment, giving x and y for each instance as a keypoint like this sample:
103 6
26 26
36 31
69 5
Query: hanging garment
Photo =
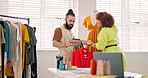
34 65
2 40
33 41
15 40
8 71
29 53
81 58
17 65
25 40
94 30
25 70
8 40
14 29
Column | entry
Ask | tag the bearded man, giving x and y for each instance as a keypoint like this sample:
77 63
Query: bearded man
62 37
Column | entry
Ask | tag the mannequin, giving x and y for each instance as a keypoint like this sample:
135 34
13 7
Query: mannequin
93 17
92 28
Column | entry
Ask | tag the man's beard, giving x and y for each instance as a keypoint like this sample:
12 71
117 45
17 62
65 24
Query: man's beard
68 27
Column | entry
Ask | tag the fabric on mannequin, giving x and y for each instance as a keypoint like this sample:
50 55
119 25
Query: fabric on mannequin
94 30
87 23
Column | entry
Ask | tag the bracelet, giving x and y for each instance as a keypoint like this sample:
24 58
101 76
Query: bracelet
89 42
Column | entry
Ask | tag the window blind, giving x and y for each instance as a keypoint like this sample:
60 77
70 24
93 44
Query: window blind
45 15
131 17
137 20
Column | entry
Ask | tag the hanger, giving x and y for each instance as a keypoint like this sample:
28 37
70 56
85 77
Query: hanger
79 46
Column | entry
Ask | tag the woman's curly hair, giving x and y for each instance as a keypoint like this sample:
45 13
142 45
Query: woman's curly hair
106 19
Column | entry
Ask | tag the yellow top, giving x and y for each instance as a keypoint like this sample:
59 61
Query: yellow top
93 33
25 39
109 36
106 37
87 23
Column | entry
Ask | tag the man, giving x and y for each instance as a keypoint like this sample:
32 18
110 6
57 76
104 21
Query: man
62 37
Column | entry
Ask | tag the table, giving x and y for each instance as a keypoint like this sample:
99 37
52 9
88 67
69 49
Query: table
80 71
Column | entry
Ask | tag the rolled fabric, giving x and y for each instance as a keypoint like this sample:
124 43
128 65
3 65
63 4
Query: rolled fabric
107 69
93 65
100 68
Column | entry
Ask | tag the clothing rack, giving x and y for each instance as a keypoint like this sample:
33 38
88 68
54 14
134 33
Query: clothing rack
28 19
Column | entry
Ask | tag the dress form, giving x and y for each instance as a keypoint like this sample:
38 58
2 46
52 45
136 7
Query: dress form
93 17
92 29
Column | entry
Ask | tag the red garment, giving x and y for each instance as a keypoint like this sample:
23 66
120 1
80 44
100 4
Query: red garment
81 58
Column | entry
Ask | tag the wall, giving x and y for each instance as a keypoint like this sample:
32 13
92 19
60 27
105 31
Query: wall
136 62
83 11
46 59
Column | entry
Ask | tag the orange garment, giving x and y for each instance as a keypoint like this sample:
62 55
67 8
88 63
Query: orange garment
93 34
8 71
25 39
93 66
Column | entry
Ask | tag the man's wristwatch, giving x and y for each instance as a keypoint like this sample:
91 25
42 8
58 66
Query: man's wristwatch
89 42
65 46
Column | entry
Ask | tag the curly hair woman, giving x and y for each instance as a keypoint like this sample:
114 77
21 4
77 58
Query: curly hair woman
107 39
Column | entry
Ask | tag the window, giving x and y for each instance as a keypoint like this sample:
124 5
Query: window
45 15
131 16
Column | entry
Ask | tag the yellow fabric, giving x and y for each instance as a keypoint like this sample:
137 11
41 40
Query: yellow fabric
93 34
109 36
106 37
25 39
8 71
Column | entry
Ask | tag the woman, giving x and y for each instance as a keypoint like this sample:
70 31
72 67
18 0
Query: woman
107 39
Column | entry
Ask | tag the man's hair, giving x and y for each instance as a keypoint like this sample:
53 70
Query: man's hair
70 12
107 20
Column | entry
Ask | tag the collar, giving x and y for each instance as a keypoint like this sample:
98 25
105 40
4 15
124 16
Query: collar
83 50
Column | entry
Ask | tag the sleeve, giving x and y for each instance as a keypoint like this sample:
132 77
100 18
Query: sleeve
102 39
85 22
10 54
57 34
26 36
18 35
2 35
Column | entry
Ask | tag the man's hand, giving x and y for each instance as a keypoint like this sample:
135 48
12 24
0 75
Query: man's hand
69 44
73 43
